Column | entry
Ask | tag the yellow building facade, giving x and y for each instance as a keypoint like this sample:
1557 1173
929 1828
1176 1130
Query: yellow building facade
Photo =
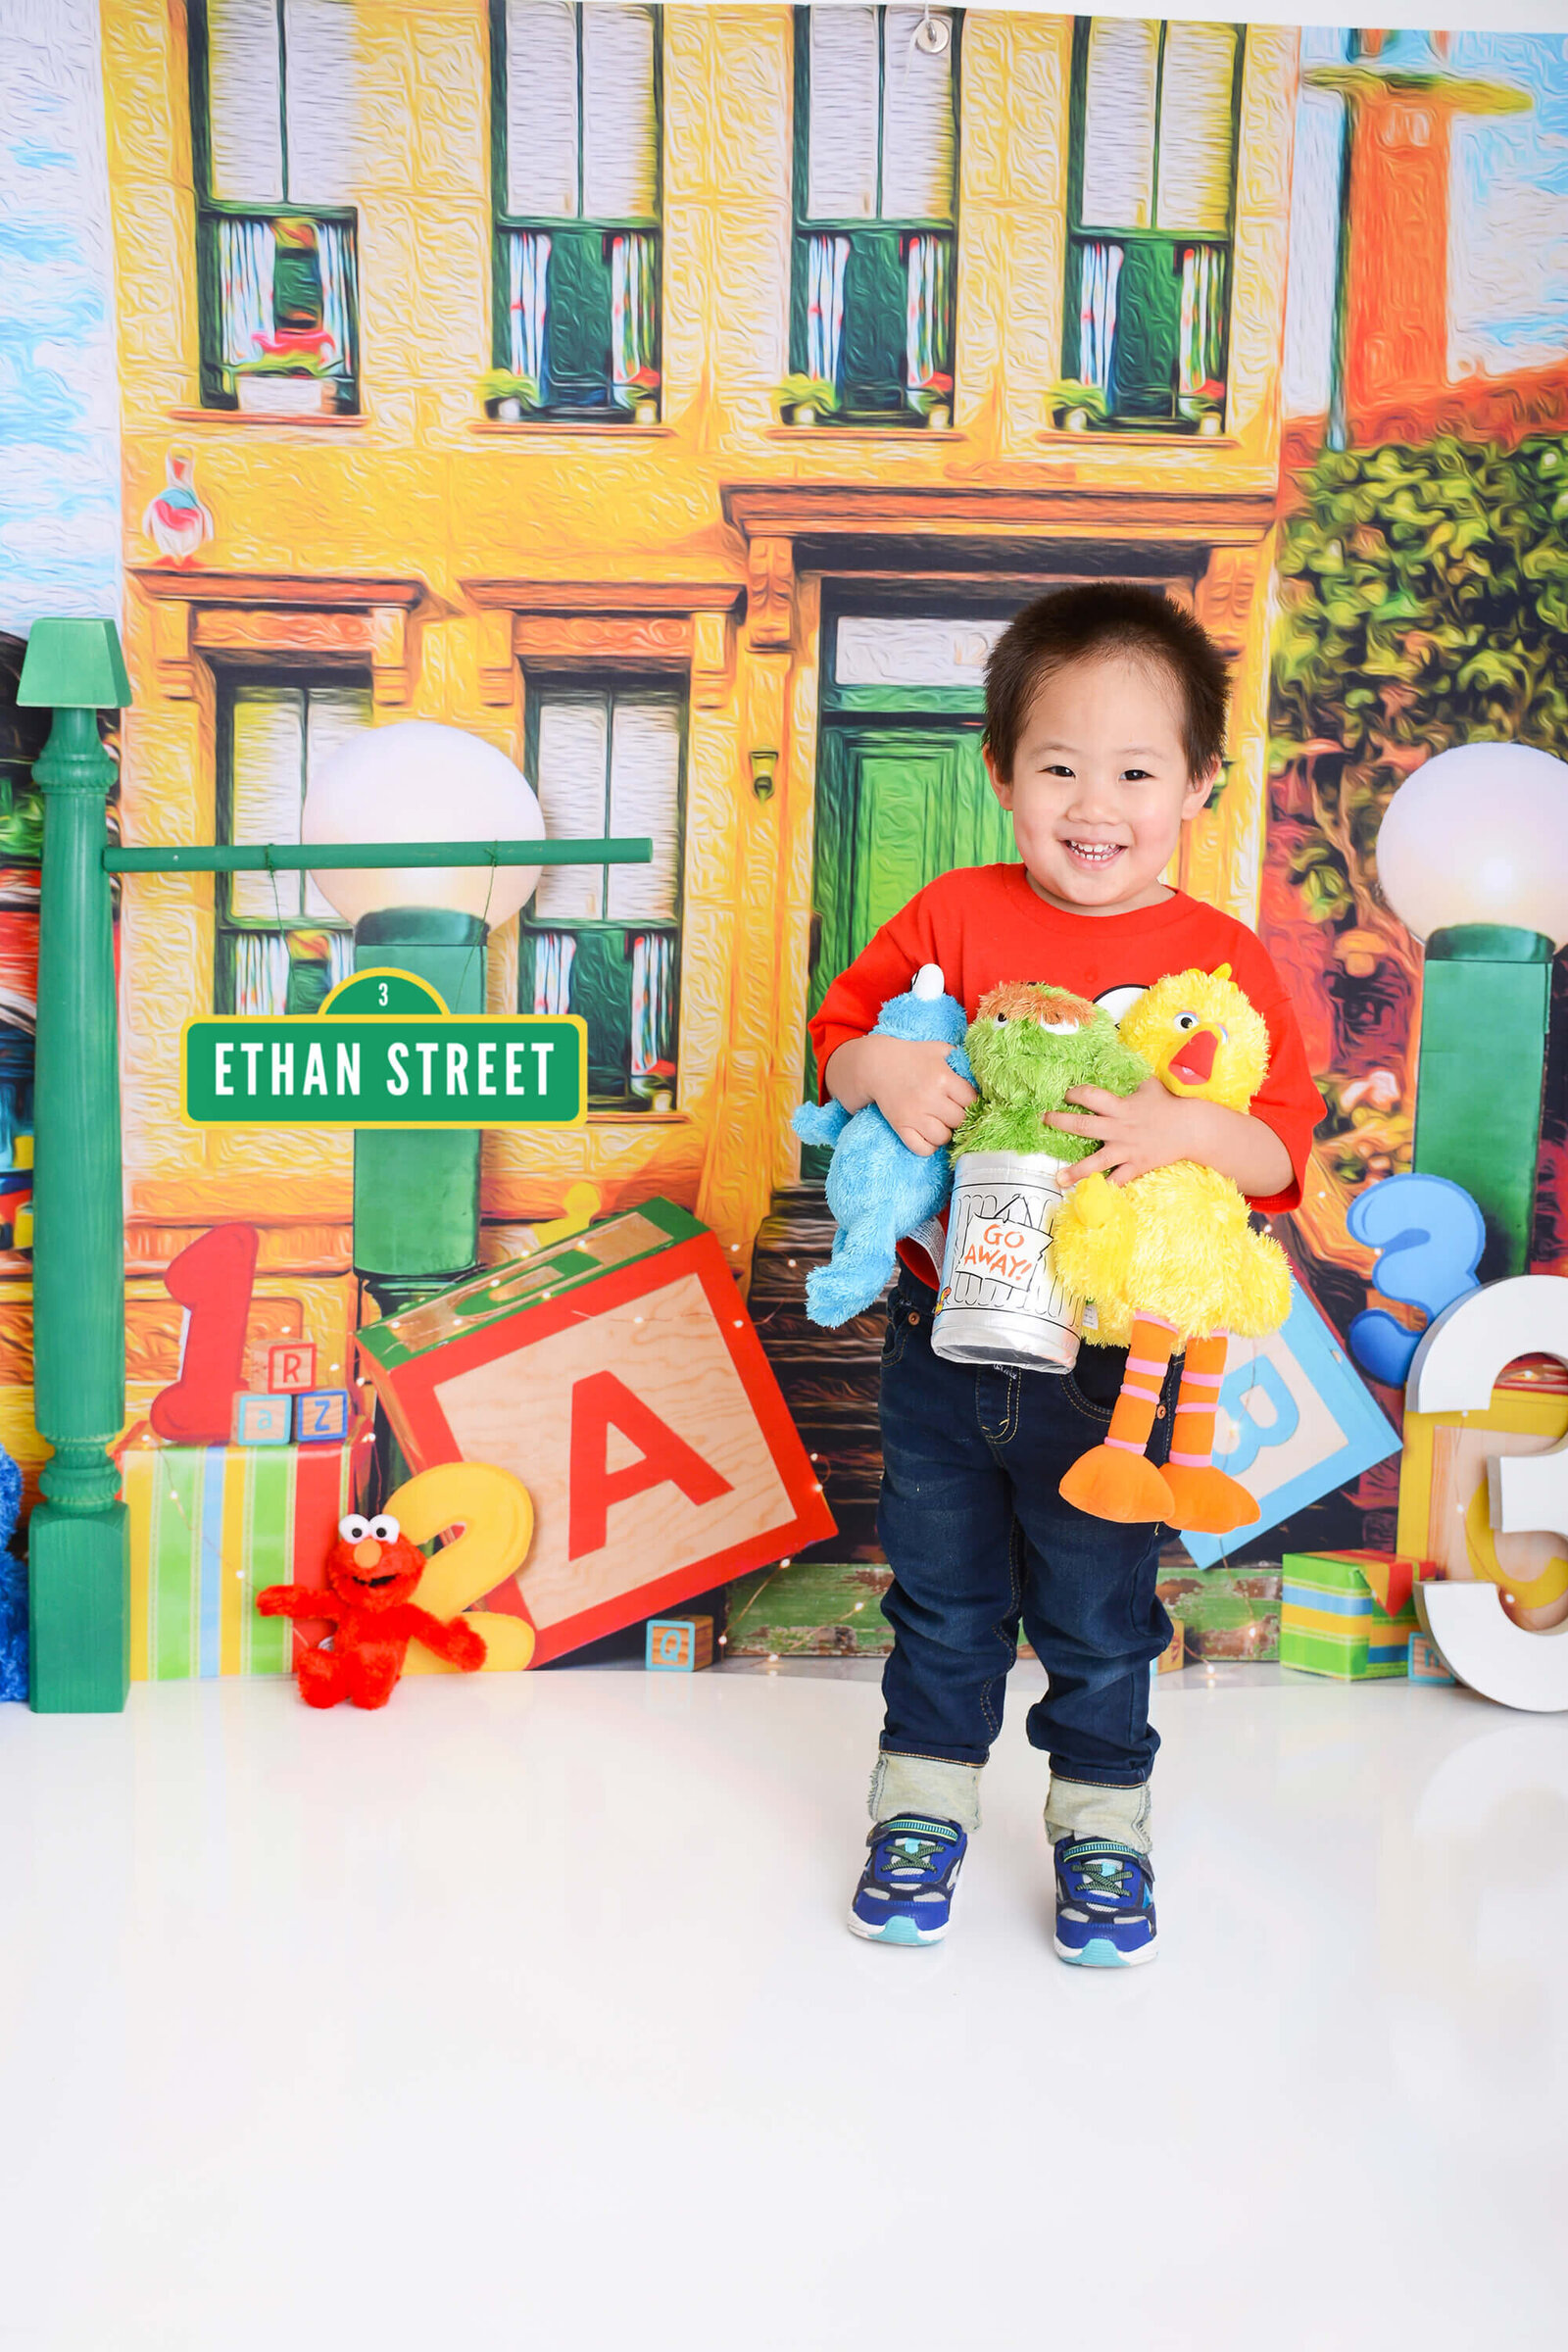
448 561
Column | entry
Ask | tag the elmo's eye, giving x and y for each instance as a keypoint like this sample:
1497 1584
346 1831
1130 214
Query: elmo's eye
385 1530
1187 1020
354 1529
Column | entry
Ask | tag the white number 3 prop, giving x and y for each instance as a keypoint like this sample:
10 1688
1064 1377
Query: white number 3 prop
1454 1371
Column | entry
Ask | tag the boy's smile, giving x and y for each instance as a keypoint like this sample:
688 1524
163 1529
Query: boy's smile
1101 788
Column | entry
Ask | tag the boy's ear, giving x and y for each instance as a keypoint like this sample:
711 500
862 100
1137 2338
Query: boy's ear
1001 785
1198 790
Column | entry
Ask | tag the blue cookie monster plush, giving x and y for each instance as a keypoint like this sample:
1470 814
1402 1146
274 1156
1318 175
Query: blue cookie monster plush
13 1586
877 1188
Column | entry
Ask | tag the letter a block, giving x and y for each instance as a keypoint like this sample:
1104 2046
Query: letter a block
263 1420
618 1374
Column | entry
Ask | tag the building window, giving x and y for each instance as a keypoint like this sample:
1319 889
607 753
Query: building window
273 114
1152 201
876 142
605 941
575 147
280 945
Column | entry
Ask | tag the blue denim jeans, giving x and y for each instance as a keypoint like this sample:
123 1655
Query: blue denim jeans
980 1541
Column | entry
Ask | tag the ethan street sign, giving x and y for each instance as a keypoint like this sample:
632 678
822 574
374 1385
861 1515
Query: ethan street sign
384 1051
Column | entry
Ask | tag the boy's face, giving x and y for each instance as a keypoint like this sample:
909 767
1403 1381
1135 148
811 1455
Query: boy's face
1099 787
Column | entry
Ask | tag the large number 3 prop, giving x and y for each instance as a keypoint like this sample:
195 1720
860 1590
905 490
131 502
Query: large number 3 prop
496 1516
1454 1371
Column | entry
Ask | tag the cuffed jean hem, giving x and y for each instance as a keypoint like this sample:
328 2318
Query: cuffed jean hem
926 1784
1090 1809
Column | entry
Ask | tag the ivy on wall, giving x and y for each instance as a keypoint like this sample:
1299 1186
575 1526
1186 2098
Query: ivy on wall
1424 603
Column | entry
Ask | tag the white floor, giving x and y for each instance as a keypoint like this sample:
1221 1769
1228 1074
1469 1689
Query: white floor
523 2015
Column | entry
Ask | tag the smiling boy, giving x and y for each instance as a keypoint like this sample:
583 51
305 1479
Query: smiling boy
1104 723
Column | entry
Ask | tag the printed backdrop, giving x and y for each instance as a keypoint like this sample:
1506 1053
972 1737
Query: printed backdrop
682 397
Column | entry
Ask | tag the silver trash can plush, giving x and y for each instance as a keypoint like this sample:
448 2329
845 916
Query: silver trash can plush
1000 1301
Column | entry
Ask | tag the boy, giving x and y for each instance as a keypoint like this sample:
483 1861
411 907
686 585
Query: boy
1104 721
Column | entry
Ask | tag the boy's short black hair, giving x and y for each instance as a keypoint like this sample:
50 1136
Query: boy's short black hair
1105 616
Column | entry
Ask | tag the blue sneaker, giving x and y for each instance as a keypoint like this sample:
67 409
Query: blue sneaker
905 1889
1105 1903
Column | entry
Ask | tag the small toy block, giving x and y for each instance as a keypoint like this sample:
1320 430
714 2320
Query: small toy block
291 1366
1426 1665
679 1644
261 1420
322 1417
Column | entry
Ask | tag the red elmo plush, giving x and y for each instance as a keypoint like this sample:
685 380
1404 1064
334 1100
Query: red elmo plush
371 1573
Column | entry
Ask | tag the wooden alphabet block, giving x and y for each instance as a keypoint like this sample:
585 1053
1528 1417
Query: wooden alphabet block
263 1420
679 1644
618 1374
322 1417
291 1366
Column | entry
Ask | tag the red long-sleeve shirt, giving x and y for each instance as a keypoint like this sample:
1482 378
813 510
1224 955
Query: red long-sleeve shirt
985 924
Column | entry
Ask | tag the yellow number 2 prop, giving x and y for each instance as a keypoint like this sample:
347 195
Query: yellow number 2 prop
495 1515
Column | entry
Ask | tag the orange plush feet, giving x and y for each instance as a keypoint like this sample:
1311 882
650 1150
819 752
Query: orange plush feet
1113 1484
1117 1481
1204 1498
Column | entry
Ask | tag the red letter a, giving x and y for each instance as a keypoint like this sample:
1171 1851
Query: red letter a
597 1403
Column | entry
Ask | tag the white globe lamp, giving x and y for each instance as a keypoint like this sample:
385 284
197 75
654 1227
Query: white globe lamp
417 781
1473 857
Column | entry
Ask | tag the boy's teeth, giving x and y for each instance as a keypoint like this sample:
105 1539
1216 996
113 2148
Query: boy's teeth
1101 852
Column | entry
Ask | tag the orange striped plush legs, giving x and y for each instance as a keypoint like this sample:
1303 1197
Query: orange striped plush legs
1202 1496
1117 1481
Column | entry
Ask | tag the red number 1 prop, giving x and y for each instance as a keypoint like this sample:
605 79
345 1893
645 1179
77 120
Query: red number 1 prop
212 1281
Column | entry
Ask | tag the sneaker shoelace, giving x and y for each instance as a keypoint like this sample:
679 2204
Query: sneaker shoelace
912 1851
1100 1874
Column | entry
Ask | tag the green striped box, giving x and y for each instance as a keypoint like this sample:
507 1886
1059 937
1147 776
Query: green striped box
1330 1621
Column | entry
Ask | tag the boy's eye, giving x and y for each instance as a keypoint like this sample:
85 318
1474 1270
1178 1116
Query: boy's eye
1135 775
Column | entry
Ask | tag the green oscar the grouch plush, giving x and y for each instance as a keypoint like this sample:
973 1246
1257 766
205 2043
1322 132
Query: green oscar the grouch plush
1027 1045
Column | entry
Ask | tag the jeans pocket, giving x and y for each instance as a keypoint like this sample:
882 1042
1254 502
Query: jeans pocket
1099 1415
898 1328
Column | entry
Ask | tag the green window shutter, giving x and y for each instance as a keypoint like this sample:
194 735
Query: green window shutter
645 798
542 111
320 100
619 128
1120 101
917 122
875 320
1197 141
245 101
844 109
573 760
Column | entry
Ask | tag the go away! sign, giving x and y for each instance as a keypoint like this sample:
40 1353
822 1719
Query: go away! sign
384 1051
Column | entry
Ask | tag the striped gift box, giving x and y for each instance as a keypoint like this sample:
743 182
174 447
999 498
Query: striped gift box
1331 1621
210 1528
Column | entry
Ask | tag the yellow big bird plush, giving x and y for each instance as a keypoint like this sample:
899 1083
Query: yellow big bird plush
1169 1261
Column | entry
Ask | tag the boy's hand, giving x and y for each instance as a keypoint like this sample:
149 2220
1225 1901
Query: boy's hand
911 1083
1135 1131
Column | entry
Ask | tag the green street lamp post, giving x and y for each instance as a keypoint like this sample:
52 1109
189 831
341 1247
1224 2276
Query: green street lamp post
1473 857
416 1207
79 1558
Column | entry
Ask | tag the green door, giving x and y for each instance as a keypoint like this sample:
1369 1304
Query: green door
896 806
